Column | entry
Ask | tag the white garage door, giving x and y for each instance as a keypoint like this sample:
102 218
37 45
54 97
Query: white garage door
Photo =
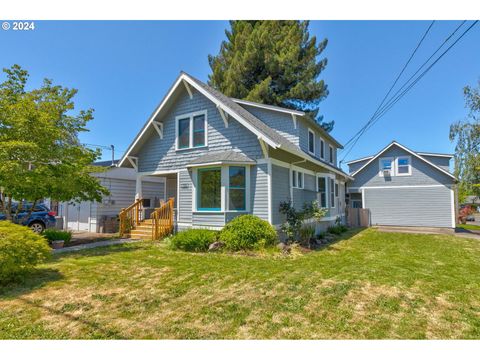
430 206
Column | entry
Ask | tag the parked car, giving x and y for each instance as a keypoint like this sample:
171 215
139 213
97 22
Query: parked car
470 218
40 219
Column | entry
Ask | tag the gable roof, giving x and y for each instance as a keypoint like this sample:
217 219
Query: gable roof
230 107
417 155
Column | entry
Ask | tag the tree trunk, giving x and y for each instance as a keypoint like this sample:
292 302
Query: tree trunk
31 209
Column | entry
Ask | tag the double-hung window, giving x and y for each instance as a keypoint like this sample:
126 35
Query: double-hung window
191 130
322 149
297 179
311 142
386 167
403 166
330 154
237 188
322 190
332 193
209 191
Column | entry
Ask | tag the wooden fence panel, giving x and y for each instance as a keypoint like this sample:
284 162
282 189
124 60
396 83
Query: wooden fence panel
358 217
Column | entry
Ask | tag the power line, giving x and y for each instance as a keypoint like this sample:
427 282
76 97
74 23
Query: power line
397 98
399 93
395 81
362 130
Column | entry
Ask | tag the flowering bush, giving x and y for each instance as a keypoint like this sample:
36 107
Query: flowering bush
464 212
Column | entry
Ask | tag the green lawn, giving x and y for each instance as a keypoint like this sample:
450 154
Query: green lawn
469 226
369 285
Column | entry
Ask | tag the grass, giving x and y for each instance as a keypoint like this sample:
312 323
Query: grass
369 285
469 226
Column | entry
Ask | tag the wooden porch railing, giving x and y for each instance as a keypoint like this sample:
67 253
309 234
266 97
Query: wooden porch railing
162 220
130 217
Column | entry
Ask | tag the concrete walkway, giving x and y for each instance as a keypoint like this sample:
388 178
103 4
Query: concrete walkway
428 230
92 245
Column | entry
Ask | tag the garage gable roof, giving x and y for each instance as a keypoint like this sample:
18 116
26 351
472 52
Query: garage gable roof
407 150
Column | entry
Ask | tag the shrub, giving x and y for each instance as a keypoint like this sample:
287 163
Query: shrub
193 240
337 229
20 251
247 232
54 235
292 226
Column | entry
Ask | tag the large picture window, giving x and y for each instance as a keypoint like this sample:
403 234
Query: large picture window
209 189
192 130
236 188
322 190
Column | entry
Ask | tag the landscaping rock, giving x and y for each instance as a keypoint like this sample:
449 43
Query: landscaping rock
284 247
217 245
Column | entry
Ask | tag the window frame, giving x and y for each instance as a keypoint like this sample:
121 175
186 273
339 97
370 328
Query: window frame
326 180
331 192
397 172
191 116
392 166
310 131
330 154
295 175
199 190
322 149
229 187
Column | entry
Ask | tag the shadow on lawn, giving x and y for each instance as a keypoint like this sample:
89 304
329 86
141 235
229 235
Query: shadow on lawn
96 330
345 236
99 251
31 281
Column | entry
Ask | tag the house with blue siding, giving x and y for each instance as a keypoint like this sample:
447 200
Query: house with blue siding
222 157
401 187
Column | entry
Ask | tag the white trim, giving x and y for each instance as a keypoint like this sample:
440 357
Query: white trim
264 148
159 127
358 160
434 154
409 173
297 173
392 166
452 207
400 186
224 186
363 199
269 191
194 189
295 121
188 89
159 172
310 131
407 150
191 116
134 161
269 107
223 115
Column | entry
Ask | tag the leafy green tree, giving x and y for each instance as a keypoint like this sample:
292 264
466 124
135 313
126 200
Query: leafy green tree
40 153
272 62
467 150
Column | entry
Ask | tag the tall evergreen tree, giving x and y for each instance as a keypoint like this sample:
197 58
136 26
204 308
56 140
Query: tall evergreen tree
272 62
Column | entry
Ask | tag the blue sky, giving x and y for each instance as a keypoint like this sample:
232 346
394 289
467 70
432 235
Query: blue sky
123 69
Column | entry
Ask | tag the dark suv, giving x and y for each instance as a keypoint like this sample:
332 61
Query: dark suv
40 219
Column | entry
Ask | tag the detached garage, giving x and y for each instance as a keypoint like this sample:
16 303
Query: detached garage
401 187
102 216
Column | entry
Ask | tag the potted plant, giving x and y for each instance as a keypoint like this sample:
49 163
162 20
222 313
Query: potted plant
57 238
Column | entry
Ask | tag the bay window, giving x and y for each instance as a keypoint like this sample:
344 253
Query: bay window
209 189
191 130
236 188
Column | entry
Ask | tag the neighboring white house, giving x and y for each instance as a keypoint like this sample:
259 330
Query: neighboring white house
121 182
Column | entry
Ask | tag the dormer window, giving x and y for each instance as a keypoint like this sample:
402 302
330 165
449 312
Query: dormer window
191 130
311 142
